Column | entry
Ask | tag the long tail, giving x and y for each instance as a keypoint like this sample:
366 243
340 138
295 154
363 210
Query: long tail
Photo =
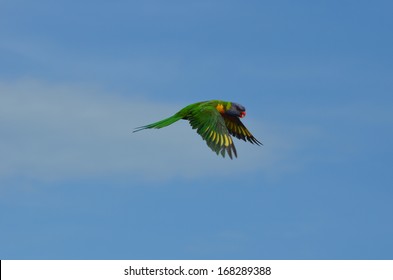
160 124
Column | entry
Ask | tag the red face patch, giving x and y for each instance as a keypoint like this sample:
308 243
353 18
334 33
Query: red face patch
242 114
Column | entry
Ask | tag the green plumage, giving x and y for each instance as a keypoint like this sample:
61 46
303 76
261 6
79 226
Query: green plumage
215 121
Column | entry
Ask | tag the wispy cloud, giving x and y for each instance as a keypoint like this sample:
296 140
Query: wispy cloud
56 132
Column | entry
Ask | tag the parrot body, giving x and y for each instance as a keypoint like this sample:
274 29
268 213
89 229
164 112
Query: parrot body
215 121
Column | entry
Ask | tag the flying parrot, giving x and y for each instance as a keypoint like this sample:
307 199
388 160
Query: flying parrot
215 121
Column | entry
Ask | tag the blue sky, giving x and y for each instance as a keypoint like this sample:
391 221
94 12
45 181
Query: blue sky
76 77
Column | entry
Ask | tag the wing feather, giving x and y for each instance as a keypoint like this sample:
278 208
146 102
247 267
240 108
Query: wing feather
237 129
210 124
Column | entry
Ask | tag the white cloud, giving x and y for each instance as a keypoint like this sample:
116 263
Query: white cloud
63 132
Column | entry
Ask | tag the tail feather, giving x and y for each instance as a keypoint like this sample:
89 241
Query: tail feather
159 124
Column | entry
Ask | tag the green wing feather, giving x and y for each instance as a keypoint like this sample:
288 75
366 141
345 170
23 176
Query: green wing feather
237 129
209 123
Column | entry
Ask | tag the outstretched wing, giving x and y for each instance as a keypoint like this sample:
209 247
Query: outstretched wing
237 129
209 123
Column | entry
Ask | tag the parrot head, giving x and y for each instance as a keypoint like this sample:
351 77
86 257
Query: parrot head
236 110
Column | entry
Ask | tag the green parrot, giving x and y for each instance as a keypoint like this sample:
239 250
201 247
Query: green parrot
215 121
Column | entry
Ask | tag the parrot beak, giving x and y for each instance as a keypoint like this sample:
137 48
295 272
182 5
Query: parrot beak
242 114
